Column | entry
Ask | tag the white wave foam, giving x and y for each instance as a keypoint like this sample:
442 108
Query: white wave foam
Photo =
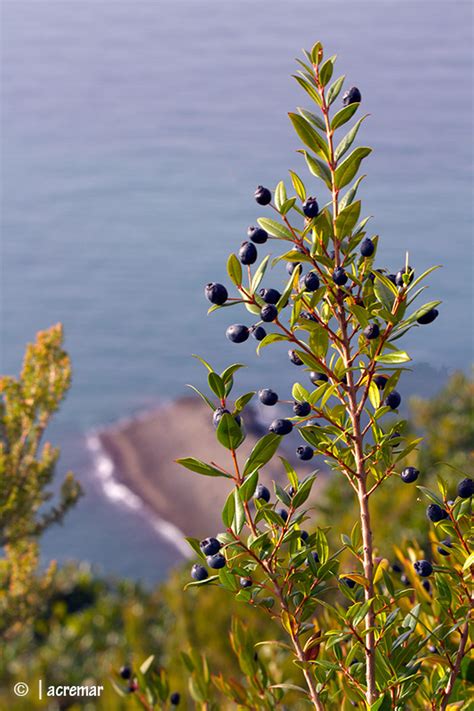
121 495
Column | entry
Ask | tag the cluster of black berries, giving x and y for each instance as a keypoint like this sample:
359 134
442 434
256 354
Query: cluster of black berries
211 548
126 673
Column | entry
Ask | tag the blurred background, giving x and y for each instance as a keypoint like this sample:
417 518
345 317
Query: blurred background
133 136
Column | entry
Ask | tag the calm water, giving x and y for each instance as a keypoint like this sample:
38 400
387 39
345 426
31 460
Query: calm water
133 135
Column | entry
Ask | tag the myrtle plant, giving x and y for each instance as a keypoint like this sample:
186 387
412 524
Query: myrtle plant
361 631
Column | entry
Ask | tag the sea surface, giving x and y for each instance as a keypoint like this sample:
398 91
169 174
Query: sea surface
132 138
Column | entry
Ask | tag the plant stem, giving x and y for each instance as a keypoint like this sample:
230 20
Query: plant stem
457 665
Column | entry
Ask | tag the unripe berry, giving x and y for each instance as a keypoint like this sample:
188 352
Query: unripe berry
423 568
281 427
367 247
428 317
302 409
311 281
268 397
270 296
248 253
304 452
409 475
339 276
237 333
435 513
257 235
263 195
466 488
393 400
262 493
311 207
269 313
351 96
371 331
198 572
216 293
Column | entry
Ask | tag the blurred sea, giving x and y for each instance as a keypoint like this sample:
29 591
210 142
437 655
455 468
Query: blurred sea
132 137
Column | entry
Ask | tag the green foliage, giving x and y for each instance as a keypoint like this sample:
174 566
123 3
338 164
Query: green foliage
26 470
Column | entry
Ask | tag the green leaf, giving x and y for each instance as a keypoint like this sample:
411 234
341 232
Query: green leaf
275 228
350 195
204 362
383 294
280 195
374 395
242 401
318 168
334 90
271 338
393 358
326 70
290 472
299 392
228 432
344 115
217 385
204 397
262 452
229 510
234 269
227 374
309 88
349 167
196 465
347 219
258 276
194 543
309 135
348 139
247 489
304 491
319 342
298 186
313 118
239 513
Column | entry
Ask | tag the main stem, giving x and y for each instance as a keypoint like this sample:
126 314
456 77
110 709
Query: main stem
357 435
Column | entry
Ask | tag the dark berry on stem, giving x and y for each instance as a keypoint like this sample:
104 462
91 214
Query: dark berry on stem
315 556
393 400
404 580
125 672
269 313
399 276
268 397
175 698
311 207
216 293
301 409
216 561
263 195
447 544
198 572
270 296
248 253
245 582
351 96
311 281
409 475
257 235
426 585
281 427
371 331
349 582
304 535
210 546
294 357
397 568
339 276
435 513
393 278
304 452
262 493
282 512
318 378
367 247
428 317
466 488
237 333
258 332
217 416
380 381
291 266
423 568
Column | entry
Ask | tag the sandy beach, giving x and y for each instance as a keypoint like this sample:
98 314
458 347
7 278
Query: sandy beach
143 451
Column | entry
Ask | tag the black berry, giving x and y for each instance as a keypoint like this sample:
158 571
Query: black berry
397 568
304 535
435 513
263 195
210 546
291 266
258 332
447 544
311 207
257 235
423 568
281 427
304 452
409 475
198 572
125 672
371 331
351 96
282 512
466 488
262 493
245 582
302 409
294 357
237 333
399 276
269 313
426 585
318 378
428 317
311 281
267 397
349 582
216 561
380 381
248 253
216 293
393 400
175 698
339 276
367 247
270 296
